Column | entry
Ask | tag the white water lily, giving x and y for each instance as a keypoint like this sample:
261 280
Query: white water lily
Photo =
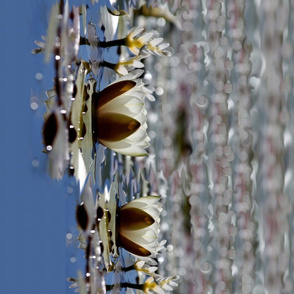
138 227
120 118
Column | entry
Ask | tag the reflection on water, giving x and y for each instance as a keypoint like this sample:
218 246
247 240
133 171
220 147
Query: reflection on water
203 87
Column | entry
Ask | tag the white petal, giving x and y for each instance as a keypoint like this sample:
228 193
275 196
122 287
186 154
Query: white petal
158 290
163 46
140 264
135 31
153 211
130 76
156 41
152 269
146 37
145 238
125 148
134 50
136 92
122 70
139 136
124 105
138 64
150 97
144 201
167 287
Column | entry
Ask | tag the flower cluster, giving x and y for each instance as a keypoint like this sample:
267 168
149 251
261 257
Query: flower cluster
81 118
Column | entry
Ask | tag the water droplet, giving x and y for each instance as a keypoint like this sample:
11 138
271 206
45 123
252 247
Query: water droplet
160 259
228 88
34 105
233 231
161 22
39 76
49 147
69 190
206 267
159 91
35 163
232 253
202 102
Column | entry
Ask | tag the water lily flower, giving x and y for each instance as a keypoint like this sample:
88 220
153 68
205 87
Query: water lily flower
156 47
134 42
138 226
120 118
158 286
148 41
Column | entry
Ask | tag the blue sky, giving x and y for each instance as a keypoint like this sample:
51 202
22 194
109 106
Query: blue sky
35 210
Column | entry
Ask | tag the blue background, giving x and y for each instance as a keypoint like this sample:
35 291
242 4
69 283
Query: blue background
34 209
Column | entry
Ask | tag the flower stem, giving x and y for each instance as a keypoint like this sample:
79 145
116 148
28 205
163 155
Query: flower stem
104 44
84 41
129 268
125 285
107 64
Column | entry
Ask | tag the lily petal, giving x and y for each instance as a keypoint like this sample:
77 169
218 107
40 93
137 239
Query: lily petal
133 247
125 148
135 219
116 127
113 91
